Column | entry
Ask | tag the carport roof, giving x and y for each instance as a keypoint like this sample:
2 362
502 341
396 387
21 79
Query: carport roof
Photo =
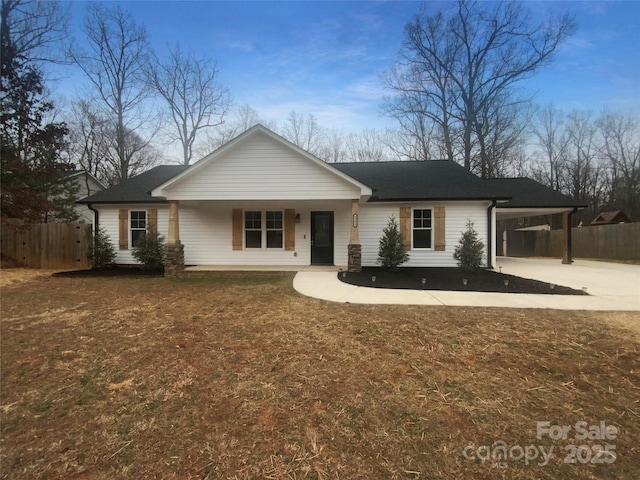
527 193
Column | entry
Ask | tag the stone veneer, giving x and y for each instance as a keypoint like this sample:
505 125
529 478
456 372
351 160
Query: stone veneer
355 257
173 260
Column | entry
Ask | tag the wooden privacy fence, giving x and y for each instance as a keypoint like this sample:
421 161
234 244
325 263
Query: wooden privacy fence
48 245
617 242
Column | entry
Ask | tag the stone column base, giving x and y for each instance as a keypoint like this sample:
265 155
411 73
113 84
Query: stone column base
173 260
355 257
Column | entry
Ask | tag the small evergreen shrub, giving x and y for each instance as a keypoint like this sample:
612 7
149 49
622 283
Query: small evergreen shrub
391 252
148 250
468 253
101 251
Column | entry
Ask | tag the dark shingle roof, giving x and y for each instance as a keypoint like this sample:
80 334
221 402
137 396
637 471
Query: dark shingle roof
137 189
527 193
390 181
429 180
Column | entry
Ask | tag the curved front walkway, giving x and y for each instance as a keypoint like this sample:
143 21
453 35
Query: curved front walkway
611 286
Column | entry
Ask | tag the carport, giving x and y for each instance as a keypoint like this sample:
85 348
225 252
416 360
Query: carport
531 199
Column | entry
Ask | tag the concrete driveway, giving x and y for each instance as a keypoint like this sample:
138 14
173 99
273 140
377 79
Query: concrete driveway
611 286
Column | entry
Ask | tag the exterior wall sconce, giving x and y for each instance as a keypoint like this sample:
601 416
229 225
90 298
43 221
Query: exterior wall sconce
297 218
355 220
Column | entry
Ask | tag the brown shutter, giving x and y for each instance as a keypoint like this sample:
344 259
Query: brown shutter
123 223
152 220
289 229
405 226
237 228
440 229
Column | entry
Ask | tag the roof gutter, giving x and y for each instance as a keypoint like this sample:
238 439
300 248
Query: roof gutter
490 233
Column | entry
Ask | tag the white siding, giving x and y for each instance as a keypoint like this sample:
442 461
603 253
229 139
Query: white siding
205 231
109 221
262 168
374 217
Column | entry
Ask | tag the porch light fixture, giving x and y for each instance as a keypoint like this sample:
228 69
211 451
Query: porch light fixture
297 218
355 220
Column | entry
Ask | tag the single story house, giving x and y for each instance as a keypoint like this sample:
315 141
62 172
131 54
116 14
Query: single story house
261 200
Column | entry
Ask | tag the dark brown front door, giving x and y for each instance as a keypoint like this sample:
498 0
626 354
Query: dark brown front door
321 238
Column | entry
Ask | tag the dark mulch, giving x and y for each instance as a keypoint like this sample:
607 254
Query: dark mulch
117 271
452 279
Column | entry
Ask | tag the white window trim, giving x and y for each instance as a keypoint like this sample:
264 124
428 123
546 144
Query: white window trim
263 230
131 229
431 209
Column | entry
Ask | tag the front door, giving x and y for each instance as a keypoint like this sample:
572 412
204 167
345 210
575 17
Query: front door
321 238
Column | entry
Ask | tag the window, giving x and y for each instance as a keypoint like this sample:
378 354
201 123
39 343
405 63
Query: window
268 232
138 225
422 228
253 229
274 229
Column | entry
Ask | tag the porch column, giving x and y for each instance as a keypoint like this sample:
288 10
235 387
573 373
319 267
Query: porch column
173 250
567 256
354 248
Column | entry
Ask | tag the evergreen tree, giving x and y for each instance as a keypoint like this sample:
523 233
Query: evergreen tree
102 252
468 253
149 250
391 253
31 169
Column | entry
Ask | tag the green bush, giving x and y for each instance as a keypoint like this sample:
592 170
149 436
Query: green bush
468 253
148 250
101 251
391 253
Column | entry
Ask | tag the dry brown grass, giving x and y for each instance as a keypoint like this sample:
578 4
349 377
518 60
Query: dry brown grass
234 377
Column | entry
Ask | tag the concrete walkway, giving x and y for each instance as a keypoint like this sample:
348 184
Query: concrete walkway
611 286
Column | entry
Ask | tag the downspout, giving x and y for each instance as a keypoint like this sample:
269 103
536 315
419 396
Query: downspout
490 234
96 217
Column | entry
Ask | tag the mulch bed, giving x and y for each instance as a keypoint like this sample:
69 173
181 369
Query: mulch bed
452 279
118 271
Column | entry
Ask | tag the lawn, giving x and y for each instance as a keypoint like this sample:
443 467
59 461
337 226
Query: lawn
240 377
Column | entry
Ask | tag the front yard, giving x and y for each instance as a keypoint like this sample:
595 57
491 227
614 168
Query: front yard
240 377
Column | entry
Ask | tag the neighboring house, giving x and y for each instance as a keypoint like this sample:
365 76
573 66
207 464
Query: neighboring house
260 200
87 185
609 218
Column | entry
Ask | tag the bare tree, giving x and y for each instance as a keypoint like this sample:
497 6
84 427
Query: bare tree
366 146
305 132
93 145
36 28
333 146
550 138
464 63
620 149
194 97
114 64
239 120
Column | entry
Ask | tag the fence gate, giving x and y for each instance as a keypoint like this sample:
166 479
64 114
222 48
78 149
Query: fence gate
48 245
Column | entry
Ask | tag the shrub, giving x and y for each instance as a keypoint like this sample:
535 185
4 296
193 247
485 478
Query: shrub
468 253
101 251
148 250
391 253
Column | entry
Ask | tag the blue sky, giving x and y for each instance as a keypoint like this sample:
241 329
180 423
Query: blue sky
325 58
